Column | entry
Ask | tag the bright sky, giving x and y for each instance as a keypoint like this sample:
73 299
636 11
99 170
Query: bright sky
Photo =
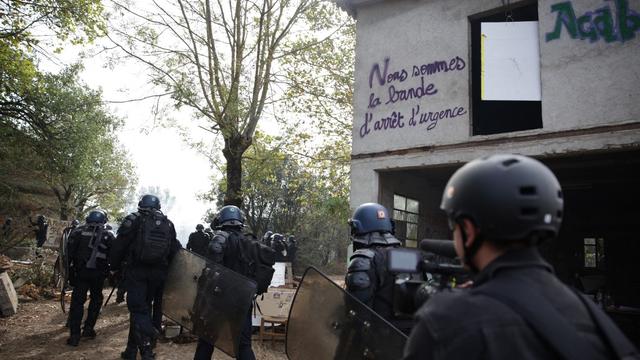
160 155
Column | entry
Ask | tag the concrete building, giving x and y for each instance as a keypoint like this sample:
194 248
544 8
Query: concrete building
423 106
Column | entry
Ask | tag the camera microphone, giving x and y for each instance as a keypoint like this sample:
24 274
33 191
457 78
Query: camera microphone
439 247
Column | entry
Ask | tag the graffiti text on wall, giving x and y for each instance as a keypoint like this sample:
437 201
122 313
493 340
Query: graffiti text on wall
602 23
395 90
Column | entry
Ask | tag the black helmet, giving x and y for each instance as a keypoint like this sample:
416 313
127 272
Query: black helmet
371 224
208 230
229 215
96 217
267 235
199 227
508 197
149 201
75 223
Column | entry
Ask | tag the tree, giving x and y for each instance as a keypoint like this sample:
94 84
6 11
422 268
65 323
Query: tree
77 21
217 59
70 144
284 193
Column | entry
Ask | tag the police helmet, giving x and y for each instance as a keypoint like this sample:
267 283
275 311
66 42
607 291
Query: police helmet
97 217
508 197
267 235
229 215
199 227
75 223
277 242
370 217
149 201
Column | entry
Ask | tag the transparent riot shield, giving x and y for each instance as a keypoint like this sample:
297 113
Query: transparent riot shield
208 299
61 272
327 323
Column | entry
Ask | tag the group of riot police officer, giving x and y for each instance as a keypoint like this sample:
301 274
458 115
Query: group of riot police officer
499 208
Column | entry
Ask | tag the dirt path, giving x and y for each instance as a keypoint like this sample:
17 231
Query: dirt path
37 332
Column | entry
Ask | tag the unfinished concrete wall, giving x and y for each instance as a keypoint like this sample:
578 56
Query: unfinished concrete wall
587 80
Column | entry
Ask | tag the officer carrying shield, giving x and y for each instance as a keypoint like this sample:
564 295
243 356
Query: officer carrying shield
88 251
500 208
147 242
225 248
368 278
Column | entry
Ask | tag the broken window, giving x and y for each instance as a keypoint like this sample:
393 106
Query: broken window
405 214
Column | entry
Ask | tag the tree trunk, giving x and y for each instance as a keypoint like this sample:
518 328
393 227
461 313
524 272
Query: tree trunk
234 148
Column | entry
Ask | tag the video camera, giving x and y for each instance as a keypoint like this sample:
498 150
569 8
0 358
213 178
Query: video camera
423 272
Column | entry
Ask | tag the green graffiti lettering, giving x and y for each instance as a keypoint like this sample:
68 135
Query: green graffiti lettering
567 17
604 24
587 32
628 21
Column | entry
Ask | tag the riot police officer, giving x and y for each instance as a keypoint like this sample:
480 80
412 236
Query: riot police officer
198 241
147 241
279 246
41 226
88 249
500 208
266 238
225 249
367 276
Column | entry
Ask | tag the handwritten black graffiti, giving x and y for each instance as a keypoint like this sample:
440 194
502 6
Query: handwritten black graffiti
417 92
385 76
597 24
396 119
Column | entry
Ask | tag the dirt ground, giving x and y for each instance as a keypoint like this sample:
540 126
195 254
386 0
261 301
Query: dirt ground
37 332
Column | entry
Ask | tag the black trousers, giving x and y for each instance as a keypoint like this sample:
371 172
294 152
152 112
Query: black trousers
87 280
204 350
143 285
156 318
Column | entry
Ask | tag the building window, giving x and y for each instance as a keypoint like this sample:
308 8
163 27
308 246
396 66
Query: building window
593 253
499 114
405 215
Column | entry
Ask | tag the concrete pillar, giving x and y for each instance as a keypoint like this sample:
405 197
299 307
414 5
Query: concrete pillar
8 297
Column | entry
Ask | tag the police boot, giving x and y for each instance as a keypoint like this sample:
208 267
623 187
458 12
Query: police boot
146 353
73 340
129 353
89 333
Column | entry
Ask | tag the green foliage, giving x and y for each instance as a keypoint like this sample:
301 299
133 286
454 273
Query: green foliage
41 271
291 194
66 143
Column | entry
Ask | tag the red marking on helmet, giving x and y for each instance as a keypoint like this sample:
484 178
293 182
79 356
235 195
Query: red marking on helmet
381 214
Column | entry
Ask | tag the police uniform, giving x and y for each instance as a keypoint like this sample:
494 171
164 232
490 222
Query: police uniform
225 248
144 283
198 241
88 255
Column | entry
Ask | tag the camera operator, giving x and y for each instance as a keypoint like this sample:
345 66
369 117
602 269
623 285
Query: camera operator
368 277
499 208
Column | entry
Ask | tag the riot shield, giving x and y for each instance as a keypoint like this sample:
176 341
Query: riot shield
208 299
327 323
62 268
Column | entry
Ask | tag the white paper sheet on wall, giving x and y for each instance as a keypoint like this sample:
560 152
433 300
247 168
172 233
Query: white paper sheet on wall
510 61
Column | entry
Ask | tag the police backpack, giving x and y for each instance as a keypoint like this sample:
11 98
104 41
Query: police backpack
260 260
154 239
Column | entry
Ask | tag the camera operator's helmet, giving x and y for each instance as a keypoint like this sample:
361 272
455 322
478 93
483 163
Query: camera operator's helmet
149 202
371 224
508 197
97 217
199 227
229 215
